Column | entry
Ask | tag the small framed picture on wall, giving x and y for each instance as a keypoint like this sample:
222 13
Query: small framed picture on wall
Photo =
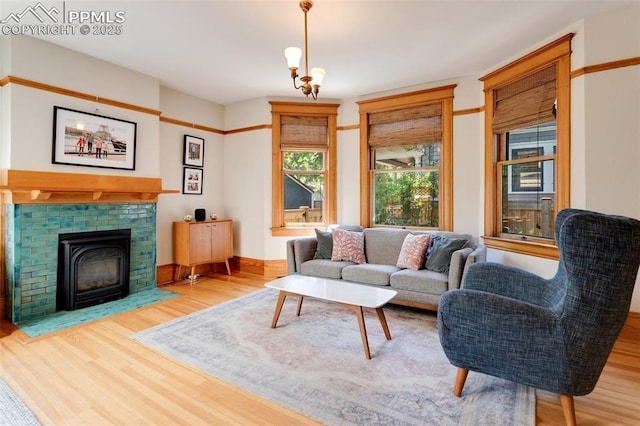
193 151
192 181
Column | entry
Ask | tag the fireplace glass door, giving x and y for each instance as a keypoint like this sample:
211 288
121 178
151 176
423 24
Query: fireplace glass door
93 268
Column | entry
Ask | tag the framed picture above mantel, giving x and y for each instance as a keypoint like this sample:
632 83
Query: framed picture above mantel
92 140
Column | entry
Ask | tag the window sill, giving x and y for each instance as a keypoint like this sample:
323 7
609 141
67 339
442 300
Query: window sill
531 248
293 232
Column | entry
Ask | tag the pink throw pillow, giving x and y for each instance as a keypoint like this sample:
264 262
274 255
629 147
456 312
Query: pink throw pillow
349 246
413 250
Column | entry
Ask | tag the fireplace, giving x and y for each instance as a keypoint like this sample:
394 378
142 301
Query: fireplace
93 268
39 206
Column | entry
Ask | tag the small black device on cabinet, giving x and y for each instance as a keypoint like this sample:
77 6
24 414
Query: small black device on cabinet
200 215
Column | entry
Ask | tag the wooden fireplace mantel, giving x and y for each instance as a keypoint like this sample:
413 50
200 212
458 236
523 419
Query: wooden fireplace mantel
28 186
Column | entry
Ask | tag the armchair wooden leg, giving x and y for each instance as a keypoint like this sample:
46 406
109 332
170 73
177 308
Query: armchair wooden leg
460 379
568 410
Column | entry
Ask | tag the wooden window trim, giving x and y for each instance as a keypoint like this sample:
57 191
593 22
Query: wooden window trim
278 109
442 94
558 52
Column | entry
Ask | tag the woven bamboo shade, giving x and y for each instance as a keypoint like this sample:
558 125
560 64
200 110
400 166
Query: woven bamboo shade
525 102
304 132
408 126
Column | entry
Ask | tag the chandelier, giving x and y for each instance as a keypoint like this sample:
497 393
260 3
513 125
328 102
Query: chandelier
310 84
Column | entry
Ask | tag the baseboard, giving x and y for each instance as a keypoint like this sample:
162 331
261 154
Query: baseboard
164 274
631 329
267 268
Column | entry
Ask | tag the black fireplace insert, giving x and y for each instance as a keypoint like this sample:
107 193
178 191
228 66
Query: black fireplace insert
93 268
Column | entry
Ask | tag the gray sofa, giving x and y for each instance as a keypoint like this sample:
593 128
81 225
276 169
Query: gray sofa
420 288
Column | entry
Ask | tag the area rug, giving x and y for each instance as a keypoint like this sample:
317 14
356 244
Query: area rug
12 410
315 365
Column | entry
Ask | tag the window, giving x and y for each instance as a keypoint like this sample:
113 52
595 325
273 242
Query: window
526 197
406 145
303 166
527 138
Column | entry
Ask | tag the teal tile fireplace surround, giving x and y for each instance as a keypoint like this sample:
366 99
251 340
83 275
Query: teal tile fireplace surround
31 249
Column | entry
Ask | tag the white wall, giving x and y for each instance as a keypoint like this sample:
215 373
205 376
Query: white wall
27 145
30 138
173 207
612 118
468 148
247 179
5 110
348 174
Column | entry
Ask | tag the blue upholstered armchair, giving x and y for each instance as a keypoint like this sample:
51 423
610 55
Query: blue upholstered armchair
553 334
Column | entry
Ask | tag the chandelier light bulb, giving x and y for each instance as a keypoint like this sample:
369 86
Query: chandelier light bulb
318 75
293 55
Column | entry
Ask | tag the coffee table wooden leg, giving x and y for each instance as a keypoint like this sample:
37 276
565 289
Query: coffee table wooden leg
300 298
383 323
279 304
363 330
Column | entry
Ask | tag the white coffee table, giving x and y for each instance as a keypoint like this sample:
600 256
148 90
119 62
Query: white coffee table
355 296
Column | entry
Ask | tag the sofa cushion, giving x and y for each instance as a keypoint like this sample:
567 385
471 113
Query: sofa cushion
455 235
325 244
369 273
355 228
423 281
413 250
348 246
323 268
383 245
440 251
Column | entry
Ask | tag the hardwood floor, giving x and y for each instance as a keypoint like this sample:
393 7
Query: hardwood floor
95 374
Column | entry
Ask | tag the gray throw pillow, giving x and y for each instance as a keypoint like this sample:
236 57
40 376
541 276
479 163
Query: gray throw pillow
440 251
325 244
352 228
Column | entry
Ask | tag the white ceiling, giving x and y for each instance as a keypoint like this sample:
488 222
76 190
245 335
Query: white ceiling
229 51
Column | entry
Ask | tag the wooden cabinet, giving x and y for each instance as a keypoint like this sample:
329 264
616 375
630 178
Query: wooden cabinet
198 243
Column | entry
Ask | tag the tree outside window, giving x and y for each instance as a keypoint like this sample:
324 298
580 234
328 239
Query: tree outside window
406 186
